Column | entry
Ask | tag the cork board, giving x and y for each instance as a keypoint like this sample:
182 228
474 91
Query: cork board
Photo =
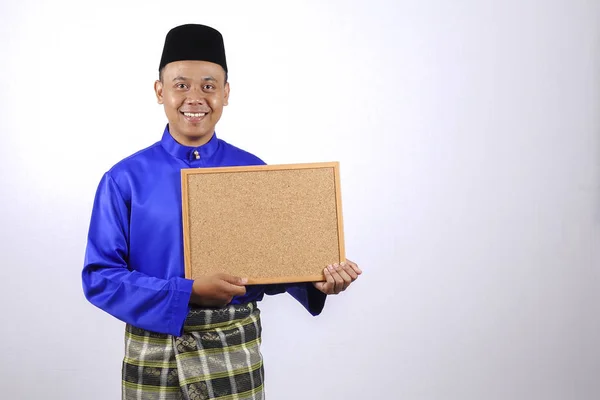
267 223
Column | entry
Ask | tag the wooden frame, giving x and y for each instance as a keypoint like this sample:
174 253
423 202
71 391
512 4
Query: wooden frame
266 223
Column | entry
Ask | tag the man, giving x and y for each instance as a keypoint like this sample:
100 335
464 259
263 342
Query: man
184 339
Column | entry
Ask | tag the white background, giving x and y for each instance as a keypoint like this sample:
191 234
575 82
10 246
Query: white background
469 139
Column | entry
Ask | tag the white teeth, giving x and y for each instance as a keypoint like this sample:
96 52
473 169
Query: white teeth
194 115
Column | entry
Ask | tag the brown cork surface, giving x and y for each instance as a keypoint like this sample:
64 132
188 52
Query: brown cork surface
270 224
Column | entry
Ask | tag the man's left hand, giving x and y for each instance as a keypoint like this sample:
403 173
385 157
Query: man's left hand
338 277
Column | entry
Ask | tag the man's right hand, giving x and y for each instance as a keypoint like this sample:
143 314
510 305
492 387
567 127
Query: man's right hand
217 290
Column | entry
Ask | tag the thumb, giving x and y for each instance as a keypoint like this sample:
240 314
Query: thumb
234 280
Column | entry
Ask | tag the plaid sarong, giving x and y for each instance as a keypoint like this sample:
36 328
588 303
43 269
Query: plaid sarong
217 357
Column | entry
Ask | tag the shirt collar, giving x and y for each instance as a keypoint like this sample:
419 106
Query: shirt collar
187 152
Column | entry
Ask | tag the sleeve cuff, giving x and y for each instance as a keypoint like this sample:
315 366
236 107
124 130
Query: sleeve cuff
181 306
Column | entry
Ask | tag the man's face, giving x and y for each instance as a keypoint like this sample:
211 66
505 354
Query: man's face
193 94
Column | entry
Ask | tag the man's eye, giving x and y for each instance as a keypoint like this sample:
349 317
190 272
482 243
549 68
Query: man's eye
209 87
181 86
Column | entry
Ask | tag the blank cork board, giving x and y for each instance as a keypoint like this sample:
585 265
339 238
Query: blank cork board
267 223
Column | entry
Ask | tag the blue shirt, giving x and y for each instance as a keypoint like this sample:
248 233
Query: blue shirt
134 262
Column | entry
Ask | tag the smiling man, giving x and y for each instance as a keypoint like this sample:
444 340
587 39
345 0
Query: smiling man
193 94
184 339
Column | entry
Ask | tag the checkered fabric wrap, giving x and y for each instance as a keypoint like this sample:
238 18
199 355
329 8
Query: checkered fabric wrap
217 357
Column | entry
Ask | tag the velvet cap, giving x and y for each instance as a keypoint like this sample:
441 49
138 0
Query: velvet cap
194 42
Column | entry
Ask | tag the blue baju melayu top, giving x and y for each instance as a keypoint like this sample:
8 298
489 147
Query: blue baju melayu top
134 263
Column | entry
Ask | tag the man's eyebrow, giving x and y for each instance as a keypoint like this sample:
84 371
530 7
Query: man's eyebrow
205 78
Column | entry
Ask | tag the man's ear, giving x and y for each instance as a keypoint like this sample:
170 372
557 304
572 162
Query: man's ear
158 90
226 99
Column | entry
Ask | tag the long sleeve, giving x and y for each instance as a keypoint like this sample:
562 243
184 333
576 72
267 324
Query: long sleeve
306 294
109 283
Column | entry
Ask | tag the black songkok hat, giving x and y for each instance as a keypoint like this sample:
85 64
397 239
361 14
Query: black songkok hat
194 42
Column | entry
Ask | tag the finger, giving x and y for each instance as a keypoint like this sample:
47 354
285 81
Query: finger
347 279
339 281
234 280
348 269
321 284
233 289
329 284
354 266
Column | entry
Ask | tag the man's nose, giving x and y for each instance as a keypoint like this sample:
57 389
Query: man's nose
195 96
